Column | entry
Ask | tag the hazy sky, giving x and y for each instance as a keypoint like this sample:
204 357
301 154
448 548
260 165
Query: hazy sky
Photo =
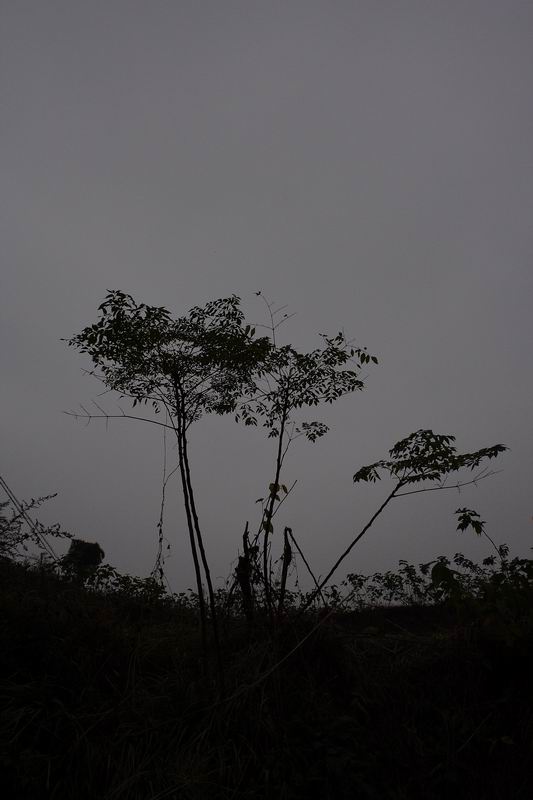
368 163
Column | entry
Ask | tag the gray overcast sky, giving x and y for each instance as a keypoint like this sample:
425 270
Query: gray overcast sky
368 163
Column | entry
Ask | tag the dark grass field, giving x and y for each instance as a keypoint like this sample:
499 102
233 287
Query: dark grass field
105 697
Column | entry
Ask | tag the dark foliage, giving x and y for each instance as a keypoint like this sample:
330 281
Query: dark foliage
103 694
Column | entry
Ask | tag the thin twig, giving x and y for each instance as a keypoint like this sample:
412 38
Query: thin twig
458 485
88 416
310 571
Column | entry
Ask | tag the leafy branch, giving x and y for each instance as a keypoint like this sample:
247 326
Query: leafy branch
422 456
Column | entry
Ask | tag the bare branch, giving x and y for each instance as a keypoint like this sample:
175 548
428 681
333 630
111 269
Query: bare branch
90 417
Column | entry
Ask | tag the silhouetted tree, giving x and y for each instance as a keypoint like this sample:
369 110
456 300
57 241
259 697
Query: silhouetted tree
190 366
287 381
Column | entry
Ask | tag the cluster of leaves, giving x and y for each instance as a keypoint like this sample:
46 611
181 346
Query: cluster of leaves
288 380
141 352
425 456
107 579
498 581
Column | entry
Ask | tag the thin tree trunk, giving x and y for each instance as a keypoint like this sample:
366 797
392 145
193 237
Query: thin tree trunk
287 557
203 556
244 578
186 499
270 510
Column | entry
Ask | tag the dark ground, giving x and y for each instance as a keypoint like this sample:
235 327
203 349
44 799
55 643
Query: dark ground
106 698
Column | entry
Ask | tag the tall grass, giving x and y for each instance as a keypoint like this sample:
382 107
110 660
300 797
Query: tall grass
403 692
